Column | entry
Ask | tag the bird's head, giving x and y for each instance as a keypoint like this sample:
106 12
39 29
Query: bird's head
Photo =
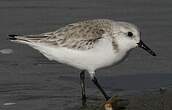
127 36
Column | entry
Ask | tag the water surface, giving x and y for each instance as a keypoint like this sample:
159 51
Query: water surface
32 82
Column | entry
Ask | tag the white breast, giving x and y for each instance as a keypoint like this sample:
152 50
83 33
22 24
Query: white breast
101 55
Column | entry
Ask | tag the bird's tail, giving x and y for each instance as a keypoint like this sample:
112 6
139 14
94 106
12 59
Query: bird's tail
18 38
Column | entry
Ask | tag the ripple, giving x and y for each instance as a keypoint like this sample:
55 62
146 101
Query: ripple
6 51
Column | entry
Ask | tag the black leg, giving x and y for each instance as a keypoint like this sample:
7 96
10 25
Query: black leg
94 79
82 81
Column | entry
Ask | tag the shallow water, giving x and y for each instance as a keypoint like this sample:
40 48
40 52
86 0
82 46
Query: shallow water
32 82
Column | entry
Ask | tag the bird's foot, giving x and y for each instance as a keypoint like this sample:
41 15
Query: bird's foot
115 103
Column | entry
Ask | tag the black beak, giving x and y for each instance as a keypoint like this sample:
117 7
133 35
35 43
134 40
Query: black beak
145 47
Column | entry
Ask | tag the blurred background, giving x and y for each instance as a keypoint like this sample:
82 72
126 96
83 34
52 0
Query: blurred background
30 81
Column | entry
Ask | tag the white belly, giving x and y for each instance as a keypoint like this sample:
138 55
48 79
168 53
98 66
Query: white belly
101 55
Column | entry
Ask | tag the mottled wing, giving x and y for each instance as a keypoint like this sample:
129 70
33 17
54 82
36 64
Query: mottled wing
81 35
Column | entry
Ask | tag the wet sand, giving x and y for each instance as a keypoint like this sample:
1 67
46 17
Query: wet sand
30 81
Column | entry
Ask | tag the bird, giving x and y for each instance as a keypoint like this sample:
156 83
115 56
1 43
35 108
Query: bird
87 45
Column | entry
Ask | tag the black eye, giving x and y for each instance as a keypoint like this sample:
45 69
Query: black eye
130 34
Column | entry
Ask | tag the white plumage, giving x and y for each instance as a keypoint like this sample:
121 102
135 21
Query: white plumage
106 43
87 45
101 55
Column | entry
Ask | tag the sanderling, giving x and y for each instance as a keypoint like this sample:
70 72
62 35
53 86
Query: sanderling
87 45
